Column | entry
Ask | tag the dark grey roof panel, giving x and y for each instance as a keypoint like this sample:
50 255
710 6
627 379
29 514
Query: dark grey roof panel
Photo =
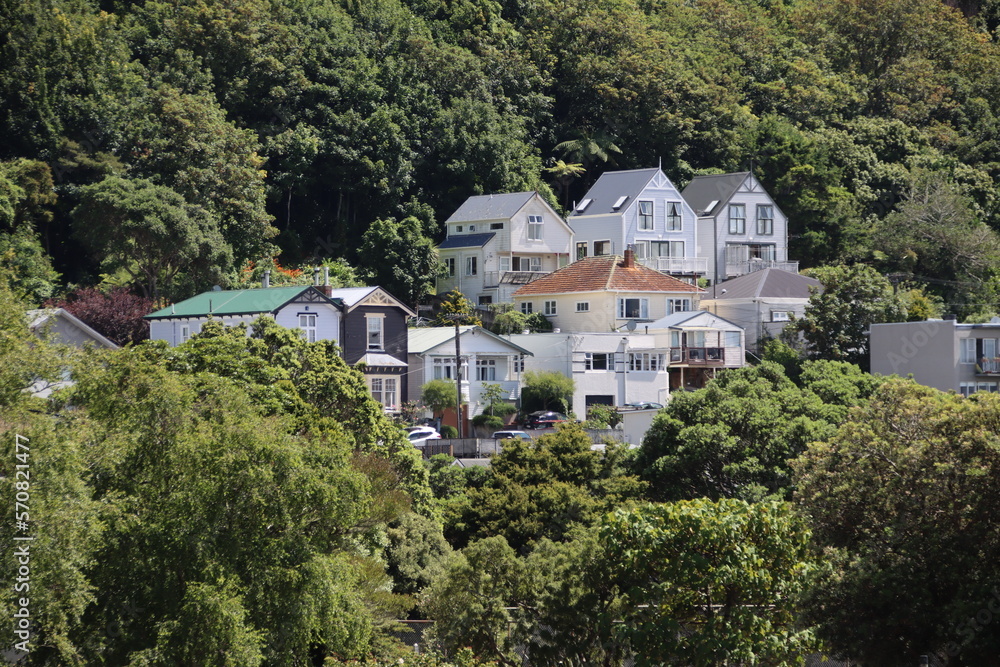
764 284
467 241
612 186
490 207
703 190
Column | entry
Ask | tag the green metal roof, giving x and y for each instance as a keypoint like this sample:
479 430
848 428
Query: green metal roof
231 302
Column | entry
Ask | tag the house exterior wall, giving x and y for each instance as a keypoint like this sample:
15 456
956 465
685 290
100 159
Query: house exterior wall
327 318
927 350
355 333
171 330
567 354
602 312
591 229
757 316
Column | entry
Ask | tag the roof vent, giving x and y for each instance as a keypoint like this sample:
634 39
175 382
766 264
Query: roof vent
618 204
583 205
711 205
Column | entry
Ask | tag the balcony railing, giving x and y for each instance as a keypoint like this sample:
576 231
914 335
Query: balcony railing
685 265
734 269
698 356
988 366
495 278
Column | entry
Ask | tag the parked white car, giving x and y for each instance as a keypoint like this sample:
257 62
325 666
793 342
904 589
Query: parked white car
419 435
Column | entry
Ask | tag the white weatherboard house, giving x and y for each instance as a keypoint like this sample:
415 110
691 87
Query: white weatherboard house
640 208
607 368
496 243
61 326
486 359
762 302
297 307
740 228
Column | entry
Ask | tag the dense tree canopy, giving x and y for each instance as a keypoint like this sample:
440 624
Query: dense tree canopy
318 121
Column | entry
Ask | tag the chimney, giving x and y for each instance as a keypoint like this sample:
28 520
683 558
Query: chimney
326 289
629 258
316 276
266 282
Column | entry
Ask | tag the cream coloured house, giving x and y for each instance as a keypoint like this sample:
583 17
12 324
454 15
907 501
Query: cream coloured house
606 293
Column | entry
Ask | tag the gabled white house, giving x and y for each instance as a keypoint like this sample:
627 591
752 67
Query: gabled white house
61 326
607 368
740 228
486 359
496 243
639 208
762 302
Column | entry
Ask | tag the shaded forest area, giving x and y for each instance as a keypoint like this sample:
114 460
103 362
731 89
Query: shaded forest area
245 128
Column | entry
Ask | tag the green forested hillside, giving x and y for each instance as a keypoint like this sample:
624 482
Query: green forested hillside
295 124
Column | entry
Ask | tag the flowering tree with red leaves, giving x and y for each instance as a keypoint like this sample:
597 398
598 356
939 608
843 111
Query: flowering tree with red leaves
116 314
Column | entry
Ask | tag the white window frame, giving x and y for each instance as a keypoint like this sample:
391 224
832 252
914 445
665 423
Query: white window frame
307 323
765 223
375 333
589 365
504 264
583 306
384 390
535 227
444 368
472 266
737 218
731 339
780 316
606 243
185 333
675 219
496 225
671 247
581 250
527 307
549 308
486 370
641 249
644 212
643 308
677 305
967 347
458 229
651 362
449 262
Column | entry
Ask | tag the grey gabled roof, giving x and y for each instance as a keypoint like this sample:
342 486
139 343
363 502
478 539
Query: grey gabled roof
763 284
703 190
466 241
612 186
491 207
686 319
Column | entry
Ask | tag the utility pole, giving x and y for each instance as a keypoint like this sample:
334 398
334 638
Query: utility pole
458 378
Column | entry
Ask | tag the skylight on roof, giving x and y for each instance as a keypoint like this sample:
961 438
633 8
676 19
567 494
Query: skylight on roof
582 205
618 204
711 205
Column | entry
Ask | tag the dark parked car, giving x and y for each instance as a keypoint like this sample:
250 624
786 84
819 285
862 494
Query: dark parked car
644 405
544 419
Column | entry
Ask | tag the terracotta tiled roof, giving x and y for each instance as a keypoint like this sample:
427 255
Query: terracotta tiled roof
606 273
